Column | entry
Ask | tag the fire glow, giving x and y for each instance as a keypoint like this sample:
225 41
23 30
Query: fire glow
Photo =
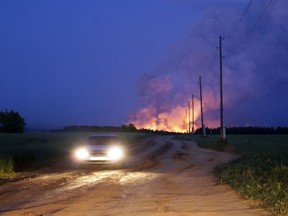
174 120
164 104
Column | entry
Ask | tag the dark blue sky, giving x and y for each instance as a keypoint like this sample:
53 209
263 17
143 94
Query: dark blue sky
91 62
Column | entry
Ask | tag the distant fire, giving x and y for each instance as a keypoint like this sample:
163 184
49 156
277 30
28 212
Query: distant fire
163 99
174 120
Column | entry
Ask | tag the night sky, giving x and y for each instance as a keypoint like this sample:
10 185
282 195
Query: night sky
111 62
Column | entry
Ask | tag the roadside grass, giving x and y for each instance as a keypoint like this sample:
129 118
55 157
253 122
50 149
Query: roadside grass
34 151
6 167
31 151
261 174
211 142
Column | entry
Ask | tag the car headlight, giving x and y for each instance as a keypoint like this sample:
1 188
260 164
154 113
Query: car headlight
81 154
115 153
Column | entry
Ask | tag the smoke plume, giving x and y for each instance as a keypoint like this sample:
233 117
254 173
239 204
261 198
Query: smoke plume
254 67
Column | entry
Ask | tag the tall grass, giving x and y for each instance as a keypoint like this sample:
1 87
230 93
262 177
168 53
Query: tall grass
263 178
261 173
6 167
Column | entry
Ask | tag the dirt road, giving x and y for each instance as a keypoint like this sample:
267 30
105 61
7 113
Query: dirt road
170 178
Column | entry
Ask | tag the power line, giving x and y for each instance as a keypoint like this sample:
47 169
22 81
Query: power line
252 28
257 21
233 30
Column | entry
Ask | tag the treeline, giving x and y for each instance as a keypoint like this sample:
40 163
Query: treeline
246 130
111 129
131 128
87 128
157 132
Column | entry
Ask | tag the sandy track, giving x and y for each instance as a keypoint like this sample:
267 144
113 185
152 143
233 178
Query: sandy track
171 178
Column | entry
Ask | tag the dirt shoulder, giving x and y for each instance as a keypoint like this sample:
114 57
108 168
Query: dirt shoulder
174 178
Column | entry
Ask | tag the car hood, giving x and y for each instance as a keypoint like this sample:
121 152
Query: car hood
98 147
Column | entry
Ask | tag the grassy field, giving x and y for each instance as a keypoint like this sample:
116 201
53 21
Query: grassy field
261 174
33 151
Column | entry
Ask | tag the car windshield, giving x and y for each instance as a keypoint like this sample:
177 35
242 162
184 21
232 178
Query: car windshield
103 140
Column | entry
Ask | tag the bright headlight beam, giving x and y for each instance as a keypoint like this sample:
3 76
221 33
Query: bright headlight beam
115 153
82 154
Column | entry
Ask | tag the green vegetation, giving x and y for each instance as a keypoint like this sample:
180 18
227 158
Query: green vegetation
6 167
33 151
261 178
261 174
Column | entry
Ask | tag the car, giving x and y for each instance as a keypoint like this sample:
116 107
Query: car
101 149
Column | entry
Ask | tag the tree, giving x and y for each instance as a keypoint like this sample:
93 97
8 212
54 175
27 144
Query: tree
11 122
128 128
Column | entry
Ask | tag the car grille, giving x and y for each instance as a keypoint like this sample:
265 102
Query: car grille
98 153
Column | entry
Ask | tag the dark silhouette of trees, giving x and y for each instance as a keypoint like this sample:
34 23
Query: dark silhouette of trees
128 128
94 128
11 122
132 128
89 128
246 130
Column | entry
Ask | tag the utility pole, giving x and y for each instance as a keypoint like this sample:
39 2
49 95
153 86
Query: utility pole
186 119
222 129
189 117
201 106
193 120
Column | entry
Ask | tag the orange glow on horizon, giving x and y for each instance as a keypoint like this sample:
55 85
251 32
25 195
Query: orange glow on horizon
174 120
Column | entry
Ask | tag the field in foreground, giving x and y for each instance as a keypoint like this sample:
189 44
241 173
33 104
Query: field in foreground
34 151
261 174
168 177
